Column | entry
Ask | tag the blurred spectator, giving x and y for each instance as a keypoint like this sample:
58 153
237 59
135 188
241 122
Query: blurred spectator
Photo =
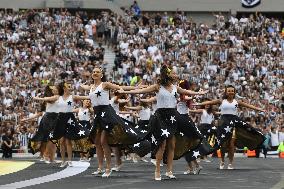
7 144
274 134
281 134
23 139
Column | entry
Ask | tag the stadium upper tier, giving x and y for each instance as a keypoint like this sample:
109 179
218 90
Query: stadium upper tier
149 5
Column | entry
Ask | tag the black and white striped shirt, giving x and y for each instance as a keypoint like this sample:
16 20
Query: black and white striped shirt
23 139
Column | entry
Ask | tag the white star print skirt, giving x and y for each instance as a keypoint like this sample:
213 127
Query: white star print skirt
120 132
85 144
142 147
206 146
143 125
67 126
85 124
245 134
166 123
207 130
46 125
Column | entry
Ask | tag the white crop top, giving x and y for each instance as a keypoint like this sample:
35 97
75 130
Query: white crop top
65 105
40 118
166 99
99 96
154 108
114 105
182 107
84 114
229 108
145 114
206 118
52 107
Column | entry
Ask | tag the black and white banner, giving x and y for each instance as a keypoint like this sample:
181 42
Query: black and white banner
250 3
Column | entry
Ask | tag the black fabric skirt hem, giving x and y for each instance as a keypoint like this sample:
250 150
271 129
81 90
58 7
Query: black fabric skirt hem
166 123
47 125
67 126
120 132
245 134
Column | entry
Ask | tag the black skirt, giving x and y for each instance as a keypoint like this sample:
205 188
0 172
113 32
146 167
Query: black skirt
120 132
166 123
85 124
47 125
143 147
245 134
205 147
207 130
67 126
143 125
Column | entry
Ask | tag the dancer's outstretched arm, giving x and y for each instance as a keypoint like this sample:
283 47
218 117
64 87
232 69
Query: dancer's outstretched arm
196 111
243 104
85 87
151 88
121 101
37 115
127 88
190 92
212 102
76 97
47 99
149 100
125 112
112 86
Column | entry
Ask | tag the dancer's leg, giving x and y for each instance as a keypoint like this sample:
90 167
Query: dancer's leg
159 157
171 142
107 151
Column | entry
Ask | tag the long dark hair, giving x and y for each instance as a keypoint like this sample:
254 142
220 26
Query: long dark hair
43 107
184 84
225 96
60 88
165 78
144 104
48 92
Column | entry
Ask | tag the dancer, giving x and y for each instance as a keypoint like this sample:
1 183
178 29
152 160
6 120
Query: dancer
84 117
170 134
109 128
182 108
47 124
206 126
115 102
152 100
37 145
67 127
144 117
232 131
208 131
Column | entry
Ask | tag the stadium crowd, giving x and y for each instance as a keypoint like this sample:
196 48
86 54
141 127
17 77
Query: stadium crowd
40 47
